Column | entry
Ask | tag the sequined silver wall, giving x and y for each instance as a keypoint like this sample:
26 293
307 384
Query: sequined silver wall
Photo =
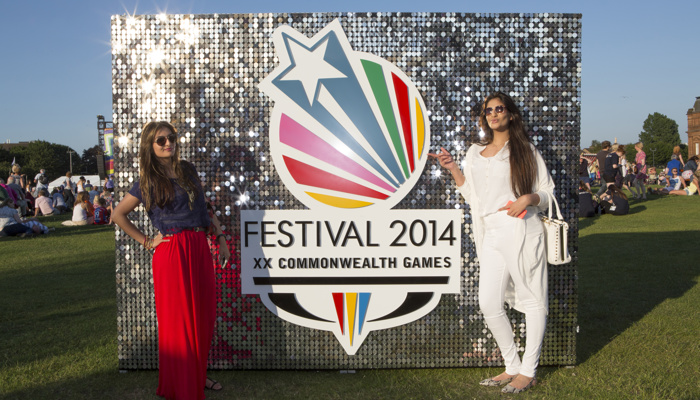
201 73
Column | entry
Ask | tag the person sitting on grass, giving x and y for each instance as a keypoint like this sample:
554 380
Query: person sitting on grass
10 193
628 182
674 163
83 212
614 201
20 200
690 189
689 169
11 223
674 183
109 197
94 193
58 202
29 196
587 204
44 205
5 196
101 213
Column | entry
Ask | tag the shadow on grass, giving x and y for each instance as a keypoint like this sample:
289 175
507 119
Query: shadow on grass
275 384
623 276
584 223
105 385
636 208
63 231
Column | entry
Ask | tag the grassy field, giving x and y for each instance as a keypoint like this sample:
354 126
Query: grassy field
639 303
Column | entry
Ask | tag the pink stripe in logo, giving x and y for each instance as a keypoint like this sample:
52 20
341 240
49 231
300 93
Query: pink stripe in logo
295 135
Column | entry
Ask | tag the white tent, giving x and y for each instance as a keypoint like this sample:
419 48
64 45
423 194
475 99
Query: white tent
93 179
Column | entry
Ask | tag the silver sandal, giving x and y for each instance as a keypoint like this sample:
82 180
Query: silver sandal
493 382
511 389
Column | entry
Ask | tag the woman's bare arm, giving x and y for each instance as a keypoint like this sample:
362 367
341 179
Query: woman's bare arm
120 216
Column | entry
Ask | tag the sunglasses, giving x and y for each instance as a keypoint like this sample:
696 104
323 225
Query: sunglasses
160 140
498 109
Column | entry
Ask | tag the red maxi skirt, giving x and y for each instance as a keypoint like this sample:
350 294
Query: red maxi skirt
184 285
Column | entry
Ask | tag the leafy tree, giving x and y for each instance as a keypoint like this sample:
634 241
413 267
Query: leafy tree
5 168
595 146
5 162
38 154
89 160
18 154
659 135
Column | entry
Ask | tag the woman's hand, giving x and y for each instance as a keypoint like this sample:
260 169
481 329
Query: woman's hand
159 238
444 158
446 161
224 252
518 206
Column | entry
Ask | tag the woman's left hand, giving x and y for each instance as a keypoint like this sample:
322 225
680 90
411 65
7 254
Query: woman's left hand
518 206
224 252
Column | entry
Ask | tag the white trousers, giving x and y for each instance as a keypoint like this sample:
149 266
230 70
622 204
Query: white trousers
498 265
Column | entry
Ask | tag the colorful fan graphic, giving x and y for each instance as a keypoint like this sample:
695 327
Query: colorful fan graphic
349 129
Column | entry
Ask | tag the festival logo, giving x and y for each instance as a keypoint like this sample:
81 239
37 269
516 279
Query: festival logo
349 138
348 129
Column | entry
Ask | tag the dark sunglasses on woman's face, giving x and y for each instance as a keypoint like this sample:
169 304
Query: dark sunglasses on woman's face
499 110
160 140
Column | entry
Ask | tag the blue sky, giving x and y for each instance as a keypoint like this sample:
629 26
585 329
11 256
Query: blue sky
639 57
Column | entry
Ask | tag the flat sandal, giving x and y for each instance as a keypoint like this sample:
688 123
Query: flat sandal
493 382
511 389
211 386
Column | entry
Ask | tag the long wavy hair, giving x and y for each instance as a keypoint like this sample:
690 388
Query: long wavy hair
614 190
81 198
156 187
523 165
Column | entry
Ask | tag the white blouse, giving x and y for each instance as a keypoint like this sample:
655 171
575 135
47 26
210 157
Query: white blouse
491 177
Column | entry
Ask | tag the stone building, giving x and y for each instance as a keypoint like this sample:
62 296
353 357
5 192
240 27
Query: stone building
694 129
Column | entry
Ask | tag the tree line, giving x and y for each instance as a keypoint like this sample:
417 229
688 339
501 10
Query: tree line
659 135
52 157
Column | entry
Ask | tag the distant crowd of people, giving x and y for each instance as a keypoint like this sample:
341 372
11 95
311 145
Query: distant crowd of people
22 202
611 168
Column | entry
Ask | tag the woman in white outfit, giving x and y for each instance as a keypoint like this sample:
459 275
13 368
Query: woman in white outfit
505 176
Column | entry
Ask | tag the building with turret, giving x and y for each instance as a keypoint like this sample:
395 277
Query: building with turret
694 129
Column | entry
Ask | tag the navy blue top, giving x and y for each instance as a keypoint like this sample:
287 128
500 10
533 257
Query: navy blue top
610 160
176 215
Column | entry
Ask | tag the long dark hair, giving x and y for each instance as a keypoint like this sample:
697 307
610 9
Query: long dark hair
523 166
582 187
614 190
156 187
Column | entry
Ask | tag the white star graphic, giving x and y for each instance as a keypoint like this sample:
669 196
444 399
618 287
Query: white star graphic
310 68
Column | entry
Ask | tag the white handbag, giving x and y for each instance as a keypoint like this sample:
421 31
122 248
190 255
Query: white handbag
556 234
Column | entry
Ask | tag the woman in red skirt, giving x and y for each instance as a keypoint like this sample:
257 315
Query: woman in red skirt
183 269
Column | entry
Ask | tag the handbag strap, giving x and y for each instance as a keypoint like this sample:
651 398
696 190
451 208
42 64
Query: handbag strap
549 209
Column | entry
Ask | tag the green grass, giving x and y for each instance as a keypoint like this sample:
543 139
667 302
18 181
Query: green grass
638 311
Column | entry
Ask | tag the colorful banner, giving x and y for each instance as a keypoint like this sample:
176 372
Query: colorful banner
109 151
